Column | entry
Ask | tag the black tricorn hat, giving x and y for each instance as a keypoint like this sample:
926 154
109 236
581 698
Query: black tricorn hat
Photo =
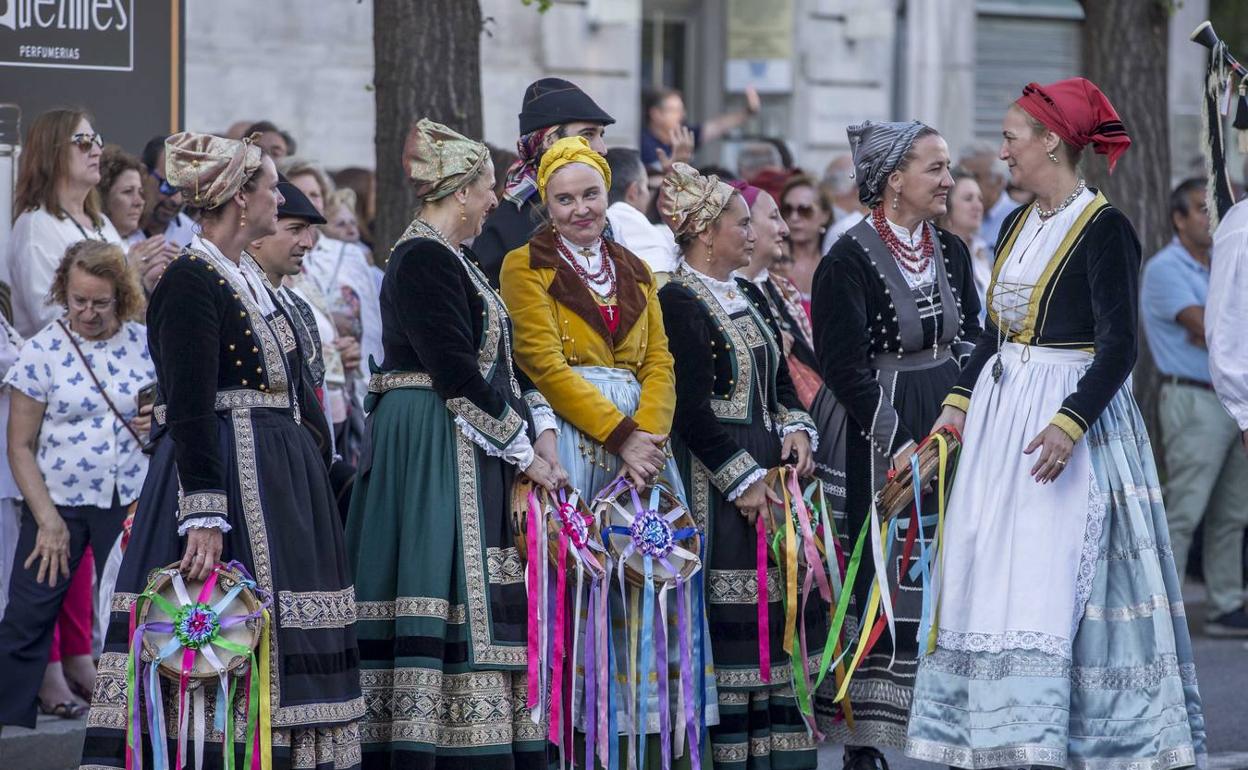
555 101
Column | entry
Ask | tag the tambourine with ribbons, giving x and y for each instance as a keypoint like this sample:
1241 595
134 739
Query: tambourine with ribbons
655 546
562 525
934 461
191 632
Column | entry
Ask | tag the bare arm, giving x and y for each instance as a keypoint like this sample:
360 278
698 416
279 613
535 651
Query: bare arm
715 128
51 550
25 417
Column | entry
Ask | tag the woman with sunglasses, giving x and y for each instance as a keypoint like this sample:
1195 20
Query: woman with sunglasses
895 313
807 214
57 205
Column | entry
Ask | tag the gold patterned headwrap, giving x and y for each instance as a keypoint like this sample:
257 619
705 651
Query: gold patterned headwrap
570 149
689 201
210 169
440 160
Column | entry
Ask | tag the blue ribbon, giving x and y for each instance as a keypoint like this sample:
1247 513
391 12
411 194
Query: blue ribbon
647 652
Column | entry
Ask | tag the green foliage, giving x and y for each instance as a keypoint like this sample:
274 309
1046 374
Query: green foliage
542 5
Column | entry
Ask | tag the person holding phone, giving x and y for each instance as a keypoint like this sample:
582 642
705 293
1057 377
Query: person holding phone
75 444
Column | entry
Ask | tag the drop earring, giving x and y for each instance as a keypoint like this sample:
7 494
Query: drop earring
710 252
1053 157
242 220
896 202
463 213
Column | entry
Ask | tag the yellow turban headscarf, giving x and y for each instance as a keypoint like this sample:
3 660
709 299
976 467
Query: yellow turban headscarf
210 169
570 149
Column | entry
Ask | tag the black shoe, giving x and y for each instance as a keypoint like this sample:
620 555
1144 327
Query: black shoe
1232 624
863 758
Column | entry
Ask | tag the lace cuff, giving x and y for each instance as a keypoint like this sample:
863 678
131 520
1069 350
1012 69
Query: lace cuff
745 483
728 477
211 522
542 414
793 420
487 430
519 452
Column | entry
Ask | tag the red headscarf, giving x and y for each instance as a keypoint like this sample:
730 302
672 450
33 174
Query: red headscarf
748 191
1077 111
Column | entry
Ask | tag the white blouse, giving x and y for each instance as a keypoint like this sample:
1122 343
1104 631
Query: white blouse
1226 313
727 293
36 246
85 451
911 239
1034 246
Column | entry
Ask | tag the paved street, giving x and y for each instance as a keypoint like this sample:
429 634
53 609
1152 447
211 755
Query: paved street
1222 666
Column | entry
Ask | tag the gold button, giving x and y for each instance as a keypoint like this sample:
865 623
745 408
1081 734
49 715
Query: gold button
220 281
247 332
259 370
241 313
244 382
255 349
262 386
238 363
231 346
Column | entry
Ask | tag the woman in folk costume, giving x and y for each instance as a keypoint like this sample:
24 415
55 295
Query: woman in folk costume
1062 639
236 475
737 415
590 335
441 591
894 314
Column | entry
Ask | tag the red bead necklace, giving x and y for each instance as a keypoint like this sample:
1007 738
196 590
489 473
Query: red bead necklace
606 272
914 259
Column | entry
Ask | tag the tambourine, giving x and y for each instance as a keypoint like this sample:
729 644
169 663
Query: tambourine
804 514
897 494
563 513
201 629
653 524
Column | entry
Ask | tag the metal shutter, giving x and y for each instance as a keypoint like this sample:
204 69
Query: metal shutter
1013 50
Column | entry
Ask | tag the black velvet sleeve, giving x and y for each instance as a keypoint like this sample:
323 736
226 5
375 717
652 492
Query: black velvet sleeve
1113 280
689 334
434 312
184 324
842 340
786 393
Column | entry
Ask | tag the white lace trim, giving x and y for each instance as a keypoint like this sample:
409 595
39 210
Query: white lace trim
519 452
755 475
543 420
1088 557
810 432
211 522
972 641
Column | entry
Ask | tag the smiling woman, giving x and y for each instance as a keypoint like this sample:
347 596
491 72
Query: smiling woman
895 313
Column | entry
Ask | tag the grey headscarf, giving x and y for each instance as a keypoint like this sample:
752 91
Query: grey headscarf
878 149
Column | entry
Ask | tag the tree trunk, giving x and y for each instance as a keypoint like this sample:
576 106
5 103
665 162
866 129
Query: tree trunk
1125 52
427 63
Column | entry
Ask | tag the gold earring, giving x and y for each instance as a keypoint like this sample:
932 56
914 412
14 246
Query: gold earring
1053 157
463 214
242 220
896 202
710 252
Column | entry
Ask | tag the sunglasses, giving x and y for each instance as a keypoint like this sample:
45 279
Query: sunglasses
84 141
165 187
804 210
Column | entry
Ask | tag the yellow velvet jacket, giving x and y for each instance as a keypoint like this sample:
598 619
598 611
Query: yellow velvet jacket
558 326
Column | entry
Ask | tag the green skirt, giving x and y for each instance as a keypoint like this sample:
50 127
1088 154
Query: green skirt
441 598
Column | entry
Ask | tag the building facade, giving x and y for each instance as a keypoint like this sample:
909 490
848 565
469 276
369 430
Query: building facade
821 65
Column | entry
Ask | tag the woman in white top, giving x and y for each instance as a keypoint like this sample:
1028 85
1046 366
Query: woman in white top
75 446
964 219
57 205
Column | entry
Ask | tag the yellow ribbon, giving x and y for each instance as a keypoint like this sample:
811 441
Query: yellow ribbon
790 565
266 704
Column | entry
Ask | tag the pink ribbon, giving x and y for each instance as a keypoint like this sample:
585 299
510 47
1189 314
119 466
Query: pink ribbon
535 599
764 622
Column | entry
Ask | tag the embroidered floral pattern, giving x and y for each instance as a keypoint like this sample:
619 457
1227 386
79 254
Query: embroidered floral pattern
202 503
316 609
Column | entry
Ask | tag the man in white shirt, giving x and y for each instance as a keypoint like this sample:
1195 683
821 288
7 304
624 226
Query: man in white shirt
839 185
1226 315
629 196
982 161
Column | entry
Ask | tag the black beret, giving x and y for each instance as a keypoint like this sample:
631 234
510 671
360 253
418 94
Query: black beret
297 205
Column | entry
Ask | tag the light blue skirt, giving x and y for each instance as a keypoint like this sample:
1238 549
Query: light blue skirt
1121 694
590 469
